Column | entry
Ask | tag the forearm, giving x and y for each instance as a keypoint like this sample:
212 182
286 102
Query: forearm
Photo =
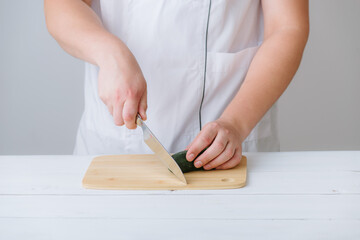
121 84
79 31
269 74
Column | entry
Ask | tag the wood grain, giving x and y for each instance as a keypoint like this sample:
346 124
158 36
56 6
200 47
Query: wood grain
145 172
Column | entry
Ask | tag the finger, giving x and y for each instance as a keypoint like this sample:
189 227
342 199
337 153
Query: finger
233 162
129 112
225 156
117 114
143 106
215 149
202 140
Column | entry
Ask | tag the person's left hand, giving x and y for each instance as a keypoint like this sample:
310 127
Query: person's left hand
223 142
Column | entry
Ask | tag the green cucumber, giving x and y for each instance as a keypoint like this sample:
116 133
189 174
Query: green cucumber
183 163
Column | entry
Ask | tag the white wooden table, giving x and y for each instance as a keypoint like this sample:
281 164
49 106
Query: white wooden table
289 195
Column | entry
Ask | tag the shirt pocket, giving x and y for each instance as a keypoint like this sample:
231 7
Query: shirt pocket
225 75
230 62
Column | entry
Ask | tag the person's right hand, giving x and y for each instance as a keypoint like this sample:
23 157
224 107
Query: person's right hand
122 88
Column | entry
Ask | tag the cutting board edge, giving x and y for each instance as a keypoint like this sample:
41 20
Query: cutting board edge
243 184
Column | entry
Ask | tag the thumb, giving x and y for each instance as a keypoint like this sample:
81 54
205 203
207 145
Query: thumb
129 113
143 106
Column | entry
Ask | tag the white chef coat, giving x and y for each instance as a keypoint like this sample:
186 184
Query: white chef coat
194 55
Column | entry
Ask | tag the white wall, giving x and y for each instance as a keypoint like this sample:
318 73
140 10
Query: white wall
41 87
321 108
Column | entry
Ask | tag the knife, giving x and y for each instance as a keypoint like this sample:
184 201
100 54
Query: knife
160 151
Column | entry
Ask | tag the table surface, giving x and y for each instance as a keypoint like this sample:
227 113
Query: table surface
289 195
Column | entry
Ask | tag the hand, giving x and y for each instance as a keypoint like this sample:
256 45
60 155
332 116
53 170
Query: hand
223 143
122 88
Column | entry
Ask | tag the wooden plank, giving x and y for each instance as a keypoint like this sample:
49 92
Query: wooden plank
146 172
250 207
63 175
154 229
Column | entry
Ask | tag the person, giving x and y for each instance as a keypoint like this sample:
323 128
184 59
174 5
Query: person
204 73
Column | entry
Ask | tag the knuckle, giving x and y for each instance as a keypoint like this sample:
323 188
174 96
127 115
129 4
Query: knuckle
204 157
220 145
228 154
235 159
118 120
133 93
214 125
238 157
209 166
128 117
117 123
206 139
226 132
117 96
234 164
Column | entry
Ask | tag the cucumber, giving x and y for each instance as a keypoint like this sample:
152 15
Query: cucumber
184 164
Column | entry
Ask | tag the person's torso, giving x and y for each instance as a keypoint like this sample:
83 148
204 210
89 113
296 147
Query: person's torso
194 55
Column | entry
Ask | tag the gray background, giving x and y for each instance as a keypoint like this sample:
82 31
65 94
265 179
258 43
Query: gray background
41 87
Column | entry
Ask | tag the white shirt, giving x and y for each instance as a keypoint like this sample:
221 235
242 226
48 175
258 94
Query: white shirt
194 55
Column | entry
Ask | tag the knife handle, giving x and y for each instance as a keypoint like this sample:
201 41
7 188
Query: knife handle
139 120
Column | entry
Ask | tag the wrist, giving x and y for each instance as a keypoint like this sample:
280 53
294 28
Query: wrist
240 126
111 53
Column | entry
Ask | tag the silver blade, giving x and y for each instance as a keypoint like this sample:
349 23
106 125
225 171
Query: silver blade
160 151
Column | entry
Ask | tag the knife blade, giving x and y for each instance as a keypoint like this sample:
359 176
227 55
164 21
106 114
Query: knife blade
159 150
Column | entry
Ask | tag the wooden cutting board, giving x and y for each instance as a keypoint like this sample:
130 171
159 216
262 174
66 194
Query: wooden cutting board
145 172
